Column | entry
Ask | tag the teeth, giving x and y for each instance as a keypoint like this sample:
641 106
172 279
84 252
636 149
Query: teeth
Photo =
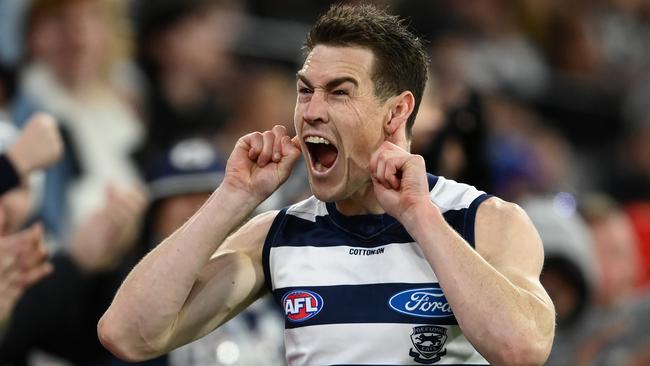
316 140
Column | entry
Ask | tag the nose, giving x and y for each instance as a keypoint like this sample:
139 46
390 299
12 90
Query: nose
316 109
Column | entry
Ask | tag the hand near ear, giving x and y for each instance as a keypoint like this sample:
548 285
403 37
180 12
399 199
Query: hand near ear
261 162
399 180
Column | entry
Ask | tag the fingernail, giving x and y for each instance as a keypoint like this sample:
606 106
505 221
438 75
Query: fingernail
276 156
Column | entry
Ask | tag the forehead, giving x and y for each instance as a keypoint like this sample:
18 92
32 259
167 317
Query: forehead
326 62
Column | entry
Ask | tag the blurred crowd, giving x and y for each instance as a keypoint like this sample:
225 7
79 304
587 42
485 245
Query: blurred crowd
117 117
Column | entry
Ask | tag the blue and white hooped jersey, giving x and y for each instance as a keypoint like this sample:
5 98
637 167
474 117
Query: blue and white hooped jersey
357 290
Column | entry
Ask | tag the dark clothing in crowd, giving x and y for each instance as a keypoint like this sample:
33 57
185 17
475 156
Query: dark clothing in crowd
8 175
59 316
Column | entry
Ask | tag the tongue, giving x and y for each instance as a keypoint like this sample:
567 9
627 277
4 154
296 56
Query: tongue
326 154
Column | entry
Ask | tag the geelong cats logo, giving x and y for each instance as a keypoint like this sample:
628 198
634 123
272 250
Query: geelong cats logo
428 341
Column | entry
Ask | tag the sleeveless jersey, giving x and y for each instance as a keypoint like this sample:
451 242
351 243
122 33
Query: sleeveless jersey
357 290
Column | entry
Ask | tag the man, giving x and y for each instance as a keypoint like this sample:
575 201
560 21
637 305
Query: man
368 270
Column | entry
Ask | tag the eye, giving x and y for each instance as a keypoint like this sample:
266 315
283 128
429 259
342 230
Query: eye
304 90
340 92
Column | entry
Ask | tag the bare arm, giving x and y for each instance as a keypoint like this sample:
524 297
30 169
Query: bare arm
494 290
197 279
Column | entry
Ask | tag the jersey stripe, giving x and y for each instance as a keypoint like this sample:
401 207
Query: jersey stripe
349 265
358 289
366 344
345 304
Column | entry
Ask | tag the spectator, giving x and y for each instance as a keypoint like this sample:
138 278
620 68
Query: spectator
183 51
615 330
59 314
570 273
74 57
616 251
22 253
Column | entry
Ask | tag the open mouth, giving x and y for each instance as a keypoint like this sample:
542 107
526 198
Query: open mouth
322 152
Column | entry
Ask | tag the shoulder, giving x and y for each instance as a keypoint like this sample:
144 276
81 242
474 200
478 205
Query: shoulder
503 216
495 210
503 229
449 195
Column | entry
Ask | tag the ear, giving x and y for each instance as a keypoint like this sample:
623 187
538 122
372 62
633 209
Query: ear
400 109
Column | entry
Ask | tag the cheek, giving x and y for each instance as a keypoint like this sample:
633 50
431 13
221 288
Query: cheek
363 138
297 118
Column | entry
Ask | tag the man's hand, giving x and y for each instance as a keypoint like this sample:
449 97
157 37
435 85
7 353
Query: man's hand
38 145
109 233
22 263
261 162
399 180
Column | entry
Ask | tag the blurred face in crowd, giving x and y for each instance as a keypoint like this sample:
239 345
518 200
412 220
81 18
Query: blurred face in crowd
338 119
196 45
617 256
561 292
174 211
73 40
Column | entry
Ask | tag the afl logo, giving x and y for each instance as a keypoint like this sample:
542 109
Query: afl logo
424 302
300 305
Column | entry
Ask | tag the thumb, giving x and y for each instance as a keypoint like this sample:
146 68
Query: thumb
295 141
290 151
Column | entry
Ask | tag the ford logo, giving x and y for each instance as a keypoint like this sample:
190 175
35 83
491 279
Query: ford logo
427 302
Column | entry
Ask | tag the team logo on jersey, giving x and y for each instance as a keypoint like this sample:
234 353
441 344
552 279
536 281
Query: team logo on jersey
423 302
300 305
428 341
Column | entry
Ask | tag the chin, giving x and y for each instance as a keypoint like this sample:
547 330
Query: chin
326 192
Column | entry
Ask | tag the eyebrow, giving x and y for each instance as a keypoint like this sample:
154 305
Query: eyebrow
330 84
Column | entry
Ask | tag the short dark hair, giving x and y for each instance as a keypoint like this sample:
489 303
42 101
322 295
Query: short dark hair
401 63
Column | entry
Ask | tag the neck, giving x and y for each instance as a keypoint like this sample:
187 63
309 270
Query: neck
362 202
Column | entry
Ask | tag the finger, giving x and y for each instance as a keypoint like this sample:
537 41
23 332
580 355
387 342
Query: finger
8 263
127 205
289 147
117 211
380 172
255 142
390 174
295 141
137 198
34 257
36 274
290 154
27 241
267 148
279 132
14 277
51 135
375 157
